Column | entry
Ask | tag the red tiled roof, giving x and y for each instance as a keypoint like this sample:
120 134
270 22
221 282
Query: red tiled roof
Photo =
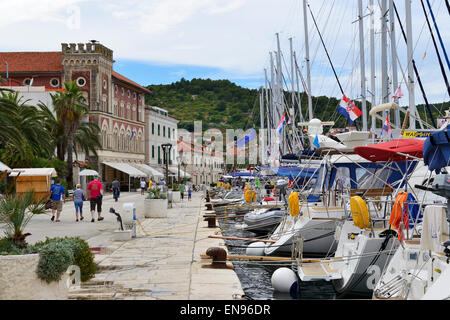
31 61
125 79
44 62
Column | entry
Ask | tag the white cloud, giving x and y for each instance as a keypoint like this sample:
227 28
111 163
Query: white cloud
232 35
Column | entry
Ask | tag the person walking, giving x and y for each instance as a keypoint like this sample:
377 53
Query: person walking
143 186
115 185
189 194
58 196
162 184
95 190
182 187
204 188
78 198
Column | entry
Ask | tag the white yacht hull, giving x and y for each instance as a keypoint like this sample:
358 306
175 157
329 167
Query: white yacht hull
316 230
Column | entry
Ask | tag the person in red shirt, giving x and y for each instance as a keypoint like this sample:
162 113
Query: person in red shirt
95 192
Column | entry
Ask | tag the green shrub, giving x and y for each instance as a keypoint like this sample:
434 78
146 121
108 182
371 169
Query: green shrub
7 246
82 255
54 259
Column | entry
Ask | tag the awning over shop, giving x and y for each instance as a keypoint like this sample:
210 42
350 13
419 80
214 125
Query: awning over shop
33 172
126 168
150 171
183 174
4 167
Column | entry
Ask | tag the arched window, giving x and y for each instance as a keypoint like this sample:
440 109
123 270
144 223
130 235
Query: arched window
115 139
122 140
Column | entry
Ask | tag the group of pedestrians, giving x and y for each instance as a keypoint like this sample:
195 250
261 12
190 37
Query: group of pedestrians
95 196
183 188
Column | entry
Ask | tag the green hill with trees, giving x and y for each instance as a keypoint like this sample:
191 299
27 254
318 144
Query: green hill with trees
222 104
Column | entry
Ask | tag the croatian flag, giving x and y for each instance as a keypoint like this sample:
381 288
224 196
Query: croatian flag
387 127
348 109
281 124
398 93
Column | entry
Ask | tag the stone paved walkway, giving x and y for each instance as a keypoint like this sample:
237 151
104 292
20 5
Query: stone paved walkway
163 262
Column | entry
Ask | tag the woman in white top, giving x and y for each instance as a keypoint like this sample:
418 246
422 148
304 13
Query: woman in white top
143 186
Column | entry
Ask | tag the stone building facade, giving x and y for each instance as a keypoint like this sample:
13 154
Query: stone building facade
116 103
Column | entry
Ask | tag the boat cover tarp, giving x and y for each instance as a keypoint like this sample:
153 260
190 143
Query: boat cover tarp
436 150
392 150
297 172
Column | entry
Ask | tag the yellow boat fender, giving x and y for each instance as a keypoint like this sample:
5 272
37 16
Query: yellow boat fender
360 212
294 204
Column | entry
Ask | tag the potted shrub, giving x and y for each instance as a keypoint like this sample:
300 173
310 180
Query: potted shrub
36 271
176 194
155 204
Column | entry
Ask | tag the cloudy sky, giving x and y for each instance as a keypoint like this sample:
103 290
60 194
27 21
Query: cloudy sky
160 41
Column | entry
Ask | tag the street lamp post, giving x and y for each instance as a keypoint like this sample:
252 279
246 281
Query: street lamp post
178 161
166 147
184 167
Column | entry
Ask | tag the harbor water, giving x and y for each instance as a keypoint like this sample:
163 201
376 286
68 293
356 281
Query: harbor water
255 277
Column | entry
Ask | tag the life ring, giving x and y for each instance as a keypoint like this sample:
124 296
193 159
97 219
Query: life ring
396 213
294 206
360 213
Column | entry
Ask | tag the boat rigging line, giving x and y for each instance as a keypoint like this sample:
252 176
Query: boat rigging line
438 33
436 48
415 69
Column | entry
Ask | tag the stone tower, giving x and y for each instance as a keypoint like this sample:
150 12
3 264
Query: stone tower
90 65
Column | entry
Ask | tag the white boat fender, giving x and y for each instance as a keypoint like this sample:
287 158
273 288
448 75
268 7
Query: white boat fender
255 249
283 279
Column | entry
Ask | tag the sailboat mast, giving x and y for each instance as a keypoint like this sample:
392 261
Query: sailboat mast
280 95
269 118
261 130
394 59
308 67
292 83
409 48
372 62
384 71
363 68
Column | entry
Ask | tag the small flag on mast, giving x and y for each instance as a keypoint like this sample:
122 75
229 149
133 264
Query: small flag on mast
281 124
316 142
398 93
387 126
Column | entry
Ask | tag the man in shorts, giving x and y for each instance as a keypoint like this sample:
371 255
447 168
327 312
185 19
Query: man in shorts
95 191
58 196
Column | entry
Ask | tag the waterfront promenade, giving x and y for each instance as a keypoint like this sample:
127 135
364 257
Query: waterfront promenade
161 263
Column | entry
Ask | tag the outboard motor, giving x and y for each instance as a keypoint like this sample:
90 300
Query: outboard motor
282 185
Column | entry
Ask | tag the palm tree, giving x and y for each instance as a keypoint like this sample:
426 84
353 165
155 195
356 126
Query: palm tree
22 136
85 139
15 212
70 108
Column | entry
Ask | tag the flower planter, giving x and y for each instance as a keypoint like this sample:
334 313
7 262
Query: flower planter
19 280
176 196
155 208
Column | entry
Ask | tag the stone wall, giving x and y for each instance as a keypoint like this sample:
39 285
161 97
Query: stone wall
19 280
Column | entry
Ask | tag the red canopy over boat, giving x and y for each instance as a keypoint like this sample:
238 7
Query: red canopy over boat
395 150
